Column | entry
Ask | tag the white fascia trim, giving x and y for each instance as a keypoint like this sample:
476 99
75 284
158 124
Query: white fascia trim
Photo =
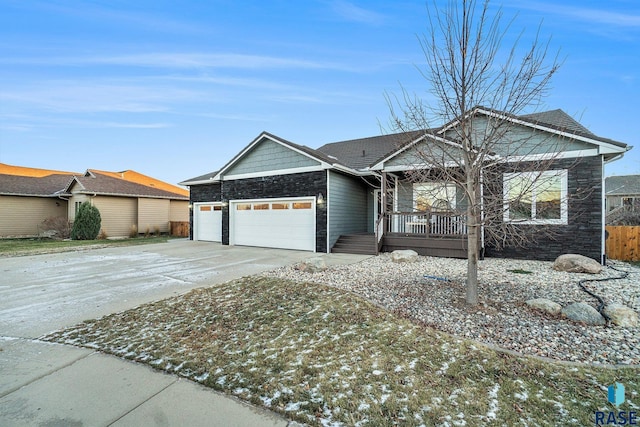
380 164
275 172
551 156
348 170
260 137
611 148
401 168
202 181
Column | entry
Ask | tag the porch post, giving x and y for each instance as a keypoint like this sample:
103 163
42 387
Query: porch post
383 202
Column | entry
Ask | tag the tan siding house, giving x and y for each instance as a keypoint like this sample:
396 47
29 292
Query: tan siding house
23 216
125 199
153 215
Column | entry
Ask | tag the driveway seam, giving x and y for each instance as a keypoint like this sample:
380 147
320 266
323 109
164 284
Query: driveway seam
175 380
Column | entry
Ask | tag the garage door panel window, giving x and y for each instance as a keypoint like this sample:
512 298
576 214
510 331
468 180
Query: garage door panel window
261 206
280 206
205 208
302 205
243 206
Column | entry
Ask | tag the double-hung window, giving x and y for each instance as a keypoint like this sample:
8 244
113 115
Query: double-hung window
536 197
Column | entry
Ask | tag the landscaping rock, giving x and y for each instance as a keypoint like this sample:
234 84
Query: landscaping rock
405 255
621 315
584 313
312 265
545 305
574 263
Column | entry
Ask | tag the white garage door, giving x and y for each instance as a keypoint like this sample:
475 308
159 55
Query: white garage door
286 224
208 222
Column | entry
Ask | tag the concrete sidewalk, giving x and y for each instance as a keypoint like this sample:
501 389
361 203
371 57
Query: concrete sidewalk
53 385
45 384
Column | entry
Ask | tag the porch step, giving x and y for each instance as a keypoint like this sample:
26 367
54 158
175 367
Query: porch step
364 244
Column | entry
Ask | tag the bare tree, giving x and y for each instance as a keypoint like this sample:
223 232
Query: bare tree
466 67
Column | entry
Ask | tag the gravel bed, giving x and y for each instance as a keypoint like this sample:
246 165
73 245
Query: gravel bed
502 318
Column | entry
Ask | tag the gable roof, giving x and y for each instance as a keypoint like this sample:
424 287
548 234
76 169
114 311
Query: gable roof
138 178
24 181
622 185
6 169
94 182
364 152
360 155
52 185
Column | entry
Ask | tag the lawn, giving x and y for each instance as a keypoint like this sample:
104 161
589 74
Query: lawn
324 356
14 247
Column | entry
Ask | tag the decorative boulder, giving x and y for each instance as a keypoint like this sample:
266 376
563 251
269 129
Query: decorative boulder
621 315
312 265
573 263
545 305
584 313
406 255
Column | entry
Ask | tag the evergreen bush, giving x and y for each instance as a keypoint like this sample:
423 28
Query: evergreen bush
87 223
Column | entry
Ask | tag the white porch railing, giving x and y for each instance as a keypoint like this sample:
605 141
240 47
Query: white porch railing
427 223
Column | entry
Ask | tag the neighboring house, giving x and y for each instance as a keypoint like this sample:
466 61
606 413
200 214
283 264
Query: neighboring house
276 193
623 192
125 199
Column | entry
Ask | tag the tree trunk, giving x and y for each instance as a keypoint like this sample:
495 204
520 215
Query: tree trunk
472 266
473 230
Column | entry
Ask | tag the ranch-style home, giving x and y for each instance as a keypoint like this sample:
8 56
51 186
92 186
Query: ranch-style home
29 196
279 194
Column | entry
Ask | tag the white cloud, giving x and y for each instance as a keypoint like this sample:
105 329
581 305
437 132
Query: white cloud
351 12
597 16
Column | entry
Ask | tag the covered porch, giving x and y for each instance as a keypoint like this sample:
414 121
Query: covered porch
431 233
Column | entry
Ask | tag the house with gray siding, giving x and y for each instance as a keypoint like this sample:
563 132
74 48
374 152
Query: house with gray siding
362 196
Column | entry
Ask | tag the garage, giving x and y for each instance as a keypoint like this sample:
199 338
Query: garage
207 218
274 223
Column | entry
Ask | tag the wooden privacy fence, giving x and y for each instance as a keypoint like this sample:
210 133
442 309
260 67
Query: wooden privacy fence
623 242
179 228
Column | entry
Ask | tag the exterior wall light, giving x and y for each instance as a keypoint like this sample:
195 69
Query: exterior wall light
320 199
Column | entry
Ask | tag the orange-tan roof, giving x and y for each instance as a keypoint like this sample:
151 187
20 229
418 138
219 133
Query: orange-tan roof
138 178
30 172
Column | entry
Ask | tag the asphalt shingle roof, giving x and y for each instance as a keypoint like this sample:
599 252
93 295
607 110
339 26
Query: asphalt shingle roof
43 186
622 185
365 152
108 185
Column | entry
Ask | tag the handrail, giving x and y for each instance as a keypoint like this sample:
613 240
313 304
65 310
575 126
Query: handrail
431 223
379 231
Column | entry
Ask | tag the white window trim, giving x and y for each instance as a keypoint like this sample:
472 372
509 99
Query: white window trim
564 204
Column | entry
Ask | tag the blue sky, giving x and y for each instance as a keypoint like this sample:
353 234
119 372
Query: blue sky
175 89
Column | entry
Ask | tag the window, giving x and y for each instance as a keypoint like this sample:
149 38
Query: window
78 206
243 207
205 208
278 206
536 197
434 196
217 208
261 207
301 205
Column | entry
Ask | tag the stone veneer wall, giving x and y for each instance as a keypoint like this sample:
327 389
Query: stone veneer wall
292 185
583 233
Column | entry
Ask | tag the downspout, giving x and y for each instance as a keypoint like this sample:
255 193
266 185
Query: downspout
327 206
603 219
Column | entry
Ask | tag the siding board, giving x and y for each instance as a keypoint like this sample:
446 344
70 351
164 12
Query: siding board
22 216
347 207
118 214
268 156
153 215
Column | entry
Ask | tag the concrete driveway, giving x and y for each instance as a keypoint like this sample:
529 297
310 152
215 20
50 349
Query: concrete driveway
53 385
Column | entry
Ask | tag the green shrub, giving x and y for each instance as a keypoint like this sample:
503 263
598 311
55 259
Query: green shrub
87 223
